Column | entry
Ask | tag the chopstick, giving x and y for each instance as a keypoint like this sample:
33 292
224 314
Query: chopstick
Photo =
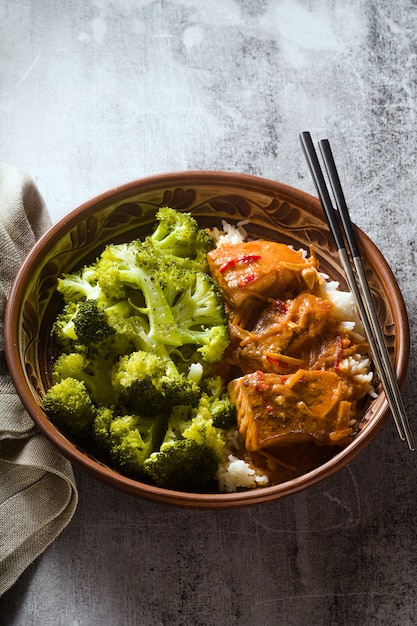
343 233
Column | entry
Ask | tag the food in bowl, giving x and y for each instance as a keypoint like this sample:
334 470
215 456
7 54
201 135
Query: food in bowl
302 368
191 357
271 211
139 341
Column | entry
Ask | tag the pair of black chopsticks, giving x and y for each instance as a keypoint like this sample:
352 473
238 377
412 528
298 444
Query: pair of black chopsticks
343 232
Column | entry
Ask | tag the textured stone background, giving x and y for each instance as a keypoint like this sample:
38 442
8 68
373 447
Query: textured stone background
94 93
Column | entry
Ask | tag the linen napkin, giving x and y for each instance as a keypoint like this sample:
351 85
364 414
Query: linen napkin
38 494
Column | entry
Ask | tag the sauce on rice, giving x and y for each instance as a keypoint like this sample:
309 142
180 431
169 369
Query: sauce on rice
299 367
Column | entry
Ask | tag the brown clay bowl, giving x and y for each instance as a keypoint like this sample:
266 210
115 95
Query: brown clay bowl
275 211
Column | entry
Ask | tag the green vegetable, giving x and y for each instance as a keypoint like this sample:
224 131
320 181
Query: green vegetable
217 403
90 324
179 240
139 334
148 384
126 272
68 404
201 318
190 452
94 372
63 333
128 440
80 285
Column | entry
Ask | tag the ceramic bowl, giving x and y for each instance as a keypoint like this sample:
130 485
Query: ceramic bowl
273 210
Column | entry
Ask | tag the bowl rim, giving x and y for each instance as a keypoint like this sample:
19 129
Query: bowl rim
137 488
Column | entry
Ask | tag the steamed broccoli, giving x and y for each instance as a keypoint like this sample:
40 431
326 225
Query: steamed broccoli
125 272
149 384
127 439
79 285
95 373
91 326
84 326
178 238
68 405
215 402
63 332
201 318
197 311
94 350
140 332
190 452
169 308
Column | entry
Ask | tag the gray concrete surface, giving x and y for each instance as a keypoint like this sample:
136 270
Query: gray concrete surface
94 93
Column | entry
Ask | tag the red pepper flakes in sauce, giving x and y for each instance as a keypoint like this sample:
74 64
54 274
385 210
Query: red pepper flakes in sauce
280 306
261 387
247 280
248 258
276 362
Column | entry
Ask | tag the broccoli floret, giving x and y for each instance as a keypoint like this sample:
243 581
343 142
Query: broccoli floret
223 412
123 271
192 307
201 301
147 384
133 331
116 261
128 439
216 403
174 280
139 332
80 285
84 326
189 454
178 237
68 404
63 333
174 304
101 427
201 317
94 373
97 334
90 323
184 466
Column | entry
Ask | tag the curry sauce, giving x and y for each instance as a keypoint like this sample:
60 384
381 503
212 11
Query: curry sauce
298 399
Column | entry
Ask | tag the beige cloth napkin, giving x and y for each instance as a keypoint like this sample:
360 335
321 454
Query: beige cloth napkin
38 494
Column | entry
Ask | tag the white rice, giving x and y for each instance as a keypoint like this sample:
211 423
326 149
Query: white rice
230 234
346 311
234 473
358 368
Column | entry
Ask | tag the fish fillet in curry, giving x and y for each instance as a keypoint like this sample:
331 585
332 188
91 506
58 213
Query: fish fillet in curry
279 410
287 348
249 272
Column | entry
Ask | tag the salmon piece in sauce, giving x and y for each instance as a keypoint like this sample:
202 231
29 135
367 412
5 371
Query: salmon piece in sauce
284 336
256 268
275 410
296 399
